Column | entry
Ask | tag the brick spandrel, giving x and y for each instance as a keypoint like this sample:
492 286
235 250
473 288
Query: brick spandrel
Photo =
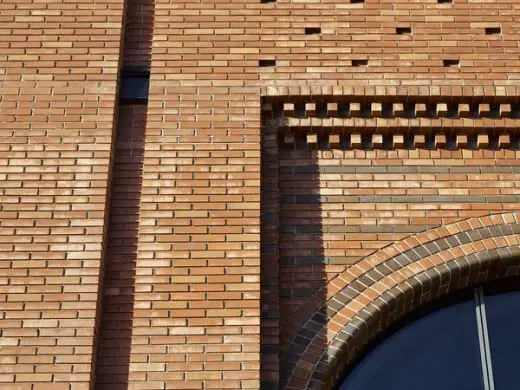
197 319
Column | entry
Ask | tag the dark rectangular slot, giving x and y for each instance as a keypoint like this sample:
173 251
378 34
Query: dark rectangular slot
359 62
266 63
493 30
444 1
267 1
357 1
403 30
312 30
134 86
451 63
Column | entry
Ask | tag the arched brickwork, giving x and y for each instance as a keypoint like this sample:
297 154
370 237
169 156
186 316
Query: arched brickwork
372 294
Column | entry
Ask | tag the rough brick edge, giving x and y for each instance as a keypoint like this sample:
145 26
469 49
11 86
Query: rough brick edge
390 283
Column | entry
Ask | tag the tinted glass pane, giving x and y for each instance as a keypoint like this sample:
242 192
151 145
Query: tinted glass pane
134 87
439 351
503 316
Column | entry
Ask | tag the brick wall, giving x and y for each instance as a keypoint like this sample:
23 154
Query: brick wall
198 259
196 296
58 71
338 207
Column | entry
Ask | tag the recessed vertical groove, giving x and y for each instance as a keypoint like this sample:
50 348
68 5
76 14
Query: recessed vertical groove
115 326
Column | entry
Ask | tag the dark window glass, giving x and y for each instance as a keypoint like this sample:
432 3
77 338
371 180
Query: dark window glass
503 318
439 351
134 87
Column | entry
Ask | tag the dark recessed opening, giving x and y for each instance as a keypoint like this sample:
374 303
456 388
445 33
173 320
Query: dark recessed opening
451 63
312 30
356 1
473 141
431 110
265 63
135 83
453 110
321 110
515 110
473 110
267 1
493 30
494 111
515 142
409 110
299 110
494 141
365 110
359 62
430 141
403 30
366 141
444 1
409 141
388 141
388 111
451 141
343 110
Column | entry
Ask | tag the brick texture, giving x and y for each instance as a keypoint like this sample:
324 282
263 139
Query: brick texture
233 243
58 79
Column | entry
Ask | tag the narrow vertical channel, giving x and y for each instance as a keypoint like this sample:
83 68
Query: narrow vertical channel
115 329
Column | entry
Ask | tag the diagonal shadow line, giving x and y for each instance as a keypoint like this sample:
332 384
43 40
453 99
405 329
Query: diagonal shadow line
116 319
115 335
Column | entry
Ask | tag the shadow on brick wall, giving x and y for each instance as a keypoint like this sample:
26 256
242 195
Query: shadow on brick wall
115 335
293 257
115 331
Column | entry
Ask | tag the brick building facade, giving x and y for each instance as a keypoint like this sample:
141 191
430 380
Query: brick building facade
301 174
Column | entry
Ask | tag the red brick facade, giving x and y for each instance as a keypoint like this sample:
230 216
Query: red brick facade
303 174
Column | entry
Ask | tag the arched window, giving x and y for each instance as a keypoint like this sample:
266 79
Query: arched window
470 341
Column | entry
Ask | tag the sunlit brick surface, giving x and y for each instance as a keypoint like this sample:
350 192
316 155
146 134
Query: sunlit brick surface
194 296
58 72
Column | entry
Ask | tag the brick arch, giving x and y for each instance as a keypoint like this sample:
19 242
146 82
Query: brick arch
379 289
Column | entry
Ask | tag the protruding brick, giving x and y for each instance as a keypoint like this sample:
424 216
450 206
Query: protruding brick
484 109
398 140
355 109
421 109
464 110
461 140
288 109
420 140
376 109
398 109
334 140
440 140
442 109
356 141
312 141
505 110
483 141
332 109
310 109
377 141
